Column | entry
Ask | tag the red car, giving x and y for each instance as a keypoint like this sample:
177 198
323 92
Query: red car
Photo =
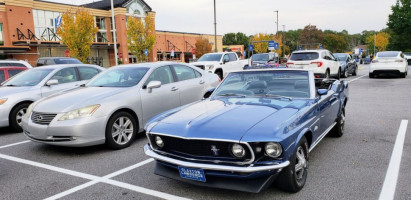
8 72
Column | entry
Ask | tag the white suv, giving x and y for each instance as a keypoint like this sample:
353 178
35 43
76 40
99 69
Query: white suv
321 62
389 62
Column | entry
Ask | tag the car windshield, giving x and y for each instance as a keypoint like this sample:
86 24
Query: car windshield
304 56
210 57
260 57
66 61
119 77
388 54
265 84
407 53
341 57
28 78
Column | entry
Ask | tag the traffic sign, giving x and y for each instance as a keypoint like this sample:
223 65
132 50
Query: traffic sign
320 46
146 52
250 47
67 53
271 45
193 51
300 47
120 55
276 46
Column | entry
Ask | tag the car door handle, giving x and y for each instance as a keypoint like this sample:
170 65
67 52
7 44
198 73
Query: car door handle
174 89
202 82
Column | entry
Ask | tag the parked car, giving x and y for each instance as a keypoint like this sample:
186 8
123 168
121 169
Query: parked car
321 62
114 106
256 126
348 64
389 62
14 63
220 63
19 92
8 72
407 55
56 61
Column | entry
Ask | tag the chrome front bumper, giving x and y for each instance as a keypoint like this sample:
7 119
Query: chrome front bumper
249 169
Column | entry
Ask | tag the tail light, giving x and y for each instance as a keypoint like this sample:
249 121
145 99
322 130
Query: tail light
289 63
319 64
374 61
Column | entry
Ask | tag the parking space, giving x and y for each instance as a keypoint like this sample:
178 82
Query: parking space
351 167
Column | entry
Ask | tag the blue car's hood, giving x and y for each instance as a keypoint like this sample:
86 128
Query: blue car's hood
228 119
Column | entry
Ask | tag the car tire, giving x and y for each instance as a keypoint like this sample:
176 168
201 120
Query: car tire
290 178
338 77
16 116
345 74
339 128
403 75
371 75
355 71
121 130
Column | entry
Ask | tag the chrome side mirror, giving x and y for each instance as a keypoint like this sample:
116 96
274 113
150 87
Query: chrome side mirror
52 82
153 84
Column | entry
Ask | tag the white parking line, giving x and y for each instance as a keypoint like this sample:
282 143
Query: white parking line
390 182
10 145
356 78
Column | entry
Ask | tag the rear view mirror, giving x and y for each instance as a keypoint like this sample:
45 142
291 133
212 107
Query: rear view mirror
52 82
208 93
153 84
322 92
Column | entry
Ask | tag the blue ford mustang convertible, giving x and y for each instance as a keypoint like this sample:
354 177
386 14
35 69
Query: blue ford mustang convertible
256 128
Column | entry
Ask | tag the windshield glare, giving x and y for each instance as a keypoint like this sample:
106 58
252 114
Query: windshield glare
210 57
29 77
304 56
260 57
119 77
268 84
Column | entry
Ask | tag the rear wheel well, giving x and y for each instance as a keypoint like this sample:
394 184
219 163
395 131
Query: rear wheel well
219 70
131 112
23 102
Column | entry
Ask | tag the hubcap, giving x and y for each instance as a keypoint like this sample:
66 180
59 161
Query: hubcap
122 130
301 164
20 115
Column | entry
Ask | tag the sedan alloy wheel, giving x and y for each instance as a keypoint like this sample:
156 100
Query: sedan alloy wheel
122 130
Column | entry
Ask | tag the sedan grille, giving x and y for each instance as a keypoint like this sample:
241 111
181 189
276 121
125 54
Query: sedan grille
200 66
42 118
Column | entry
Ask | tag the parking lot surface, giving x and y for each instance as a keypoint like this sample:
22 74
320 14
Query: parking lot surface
351 167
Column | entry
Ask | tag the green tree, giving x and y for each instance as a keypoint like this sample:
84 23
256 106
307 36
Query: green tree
334 42
399 22
311 35
236 39
229 39
77 32
141 35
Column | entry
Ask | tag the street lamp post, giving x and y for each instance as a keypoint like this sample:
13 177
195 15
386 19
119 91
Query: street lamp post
114 34
215 28
283 41
276 33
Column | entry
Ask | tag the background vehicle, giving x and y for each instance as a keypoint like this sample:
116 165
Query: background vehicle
348 64
56 61
14 63
8 72
220 63
321 62
288 114
116 104
389 62
407 55
19 92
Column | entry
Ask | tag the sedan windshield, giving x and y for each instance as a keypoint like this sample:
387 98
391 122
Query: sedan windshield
210 57
261 57
119 77
265 84
341 57
28 78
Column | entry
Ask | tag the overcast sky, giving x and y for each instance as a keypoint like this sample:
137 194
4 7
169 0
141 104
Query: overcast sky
255 16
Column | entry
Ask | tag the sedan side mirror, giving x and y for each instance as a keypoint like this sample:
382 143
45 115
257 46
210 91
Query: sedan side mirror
153 84
52 82
322 92
208 93
226 61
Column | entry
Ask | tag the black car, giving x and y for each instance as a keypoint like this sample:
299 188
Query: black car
56 61
348 64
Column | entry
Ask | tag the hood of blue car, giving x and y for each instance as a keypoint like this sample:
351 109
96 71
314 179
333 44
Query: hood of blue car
226 119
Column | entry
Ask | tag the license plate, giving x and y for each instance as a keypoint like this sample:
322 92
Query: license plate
192 174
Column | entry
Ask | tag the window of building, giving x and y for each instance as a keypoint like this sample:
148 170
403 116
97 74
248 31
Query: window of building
45 24
101 35
1 35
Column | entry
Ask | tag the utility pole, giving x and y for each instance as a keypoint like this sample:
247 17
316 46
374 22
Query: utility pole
276 33
375 43
114 33
215 28
283 40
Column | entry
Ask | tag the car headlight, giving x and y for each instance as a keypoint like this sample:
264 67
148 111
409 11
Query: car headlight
238 150
209 67
273 149
82 112
159 141
3 101
30 109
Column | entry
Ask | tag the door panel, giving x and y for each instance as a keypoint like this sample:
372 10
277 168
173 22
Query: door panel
191 86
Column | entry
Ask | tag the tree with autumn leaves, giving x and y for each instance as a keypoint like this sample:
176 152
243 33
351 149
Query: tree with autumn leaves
141 35
77 32
261 44
203 46
380 40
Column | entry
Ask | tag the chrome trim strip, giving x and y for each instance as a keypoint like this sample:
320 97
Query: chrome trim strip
149 152
321 137
209 139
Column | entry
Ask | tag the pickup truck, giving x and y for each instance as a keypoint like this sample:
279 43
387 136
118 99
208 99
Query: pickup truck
220 63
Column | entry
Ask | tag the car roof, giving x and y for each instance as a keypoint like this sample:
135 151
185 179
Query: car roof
274 69
151 64
66 66
57 58
311 50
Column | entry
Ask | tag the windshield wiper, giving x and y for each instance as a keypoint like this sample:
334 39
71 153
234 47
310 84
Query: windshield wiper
278 96
232 95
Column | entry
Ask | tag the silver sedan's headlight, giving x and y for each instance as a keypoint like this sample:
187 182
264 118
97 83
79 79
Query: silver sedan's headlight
30 109
82 112
273 149
238 150
3 101
208 67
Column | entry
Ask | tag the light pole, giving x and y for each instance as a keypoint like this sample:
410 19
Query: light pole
114 34
283 40
215 28
276 33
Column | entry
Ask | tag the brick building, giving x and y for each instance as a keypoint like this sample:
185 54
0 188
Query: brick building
28 32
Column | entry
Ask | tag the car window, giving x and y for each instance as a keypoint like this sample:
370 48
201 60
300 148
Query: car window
119 77
14 72
66 75
232 57
66 61
198 74
226 57
2 76
387 54
4 64
40 62
29 77
331 56
184 73
87 73
162 74
304 56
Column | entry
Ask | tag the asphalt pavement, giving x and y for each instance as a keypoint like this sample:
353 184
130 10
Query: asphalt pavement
351 167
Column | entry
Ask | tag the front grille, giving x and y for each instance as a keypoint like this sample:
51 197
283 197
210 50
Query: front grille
200 66
201 149
42 118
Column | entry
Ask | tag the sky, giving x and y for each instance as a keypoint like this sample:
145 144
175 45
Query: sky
258 16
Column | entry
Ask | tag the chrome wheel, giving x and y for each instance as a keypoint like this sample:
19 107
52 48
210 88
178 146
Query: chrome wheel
301 164
122 130
20 115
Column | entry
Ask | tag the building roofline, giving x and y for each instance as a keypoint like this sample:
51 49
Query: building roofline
184 32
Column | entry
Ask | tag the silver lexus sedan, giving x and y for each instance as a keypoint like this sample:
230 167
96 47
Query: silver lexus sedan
114 106
19 92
